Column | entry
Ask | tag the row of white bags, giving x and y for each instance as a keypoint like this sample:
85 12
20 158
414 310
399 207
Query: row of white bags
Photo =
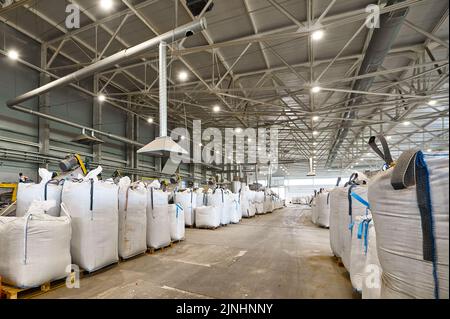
352 235
106 221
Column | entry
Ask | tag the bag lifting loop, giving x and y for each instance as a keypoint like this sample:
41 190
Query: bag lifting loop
386 153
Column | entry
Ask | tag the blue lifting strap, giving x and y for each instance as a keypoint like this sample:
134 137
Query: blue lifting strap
360 199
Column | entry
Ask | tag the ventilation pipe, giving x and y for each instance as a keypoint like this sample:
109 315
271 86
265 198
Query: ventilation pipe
379 46
312 171
109 62
163 145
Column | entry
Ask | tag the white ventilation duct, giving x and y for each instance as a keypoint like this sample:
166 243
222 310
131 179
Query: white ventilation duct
162 144
312 171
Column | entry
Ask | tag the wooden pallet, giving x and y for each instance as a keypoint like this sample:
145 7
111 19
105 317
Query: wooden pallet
151 251
174 242
85 273
209 228
10 292
121 259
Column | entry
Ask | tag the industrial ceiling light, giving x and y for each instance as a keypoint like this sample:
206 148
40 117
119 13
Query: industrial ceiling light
216 109
317 35
106 4
388 137
249 140
150 120
316 89
102 98
315 133
13 54
406 123
315 143
429 150
238 130
183 137
315 118
432 102
183 76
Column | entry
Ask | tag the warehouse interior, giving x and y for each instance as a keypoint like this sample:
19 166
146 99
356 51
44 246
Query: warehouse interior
224 149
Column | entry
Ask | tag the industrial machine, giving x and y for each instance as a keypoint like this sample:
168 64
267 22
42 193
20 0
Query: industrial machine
71 167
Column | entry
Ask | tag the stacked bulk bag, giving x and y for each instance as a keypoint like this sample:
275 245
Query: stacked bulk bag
207 217
158 223
259 202
132 218
323 209
188 200
47 189
410 209
236 215
34 249
269 204
93 207
177 222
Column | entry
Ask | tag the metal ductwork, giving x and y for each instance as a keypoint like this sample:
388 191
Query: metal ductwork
99 66
109 62
379 46
163 145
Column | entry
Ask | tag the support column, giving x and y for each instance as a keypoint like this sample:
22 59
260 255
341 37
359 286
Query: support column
131 134
44 100
97 119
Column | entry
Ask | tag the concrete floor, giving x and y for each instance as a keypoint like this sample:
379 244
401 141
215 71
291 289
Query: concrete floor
278 255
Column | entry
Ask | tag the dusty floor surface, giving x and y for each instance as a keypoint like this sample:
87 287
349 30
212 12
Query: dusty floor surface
278 255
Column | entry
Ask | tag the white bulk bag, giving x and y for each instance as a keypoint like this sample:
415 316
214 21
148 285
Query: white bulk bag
244 201
323 209
314 211
177 222
47 189
251 203
359 247
371 287
132 218
34 249
217 199
259 202
235 216
158 224
400 239
93 207
336 204
207 217
227 208
188 201
200 197
347 219
269 204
